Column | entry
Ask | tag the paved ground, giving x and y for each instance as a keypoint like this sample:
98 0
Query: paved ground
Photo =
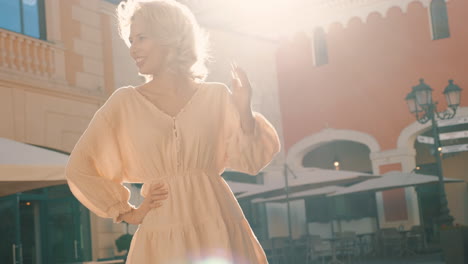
419 259
432 258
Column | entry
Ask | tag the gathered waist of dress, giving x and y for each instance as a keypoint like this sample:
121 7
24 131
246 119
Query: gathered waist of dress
177 174
171 178
187 225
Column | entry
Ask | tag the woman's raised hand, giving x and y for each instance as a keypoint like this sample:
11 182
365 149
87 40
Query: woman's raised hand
242 97
241 88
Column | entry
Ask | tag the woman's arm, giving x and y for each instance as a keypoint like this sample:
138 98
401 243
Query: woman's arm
250 140
242 97
134 217
247 120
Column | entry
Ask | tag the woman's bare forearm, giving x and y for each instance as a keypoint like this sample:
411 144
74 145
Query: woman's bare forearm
247 120
135 216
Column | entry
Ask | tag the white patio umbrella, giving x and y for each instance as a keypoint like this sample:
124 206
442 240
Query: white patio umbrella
239 187
25 167
300 195
392 180
307 179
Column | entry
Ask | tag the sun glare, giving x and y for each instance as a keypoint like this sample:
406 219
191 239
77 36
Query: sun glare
214 260
270 18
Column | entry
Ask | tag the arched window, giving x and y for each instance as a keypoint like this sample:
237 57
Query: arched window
320 47
439 19
339 155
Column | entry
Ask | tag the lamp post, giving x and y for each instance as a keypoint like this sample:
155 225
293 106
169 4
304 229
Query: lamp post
421 105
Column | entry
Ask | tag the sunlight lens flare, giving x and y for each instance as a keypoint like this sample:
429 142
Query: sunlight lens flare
213 260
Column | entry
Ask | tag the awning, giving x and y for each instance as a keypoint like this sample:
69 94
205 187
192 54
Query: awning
25 167
392 180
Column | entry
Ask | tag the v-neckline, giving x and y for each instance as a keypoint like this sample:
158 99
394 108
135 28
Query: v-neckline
181 110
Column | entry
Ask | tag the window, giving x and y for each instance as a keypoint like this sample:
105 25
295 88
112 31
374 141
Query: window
23 16
439 19
320 47
351 155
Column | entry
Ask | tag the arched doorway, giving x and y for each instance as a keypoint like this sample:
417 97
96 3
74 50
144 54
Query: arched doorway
350 212
299 150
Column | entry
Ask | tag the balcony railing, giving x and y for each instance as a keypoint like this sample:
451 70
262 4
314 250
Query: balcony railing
29 57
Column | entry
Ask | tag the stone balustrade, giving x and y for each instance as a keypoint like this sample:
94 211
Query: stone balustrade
31 57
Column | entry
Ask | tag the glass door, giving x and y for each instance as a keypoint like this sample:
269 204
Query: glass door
68 230
11 249
20 229
30 231
61 226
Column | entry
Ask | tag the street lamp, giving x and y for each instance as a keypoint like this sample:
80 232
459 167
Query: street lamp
420 104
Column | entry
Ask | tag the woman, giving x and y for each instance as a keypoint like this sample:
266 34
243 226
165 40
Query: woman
176 134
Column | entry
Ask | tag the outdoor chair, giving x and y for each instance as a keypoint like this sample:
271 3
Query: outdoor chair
317 249
416 239
267 246
278 249
347 244
366 245
391 241
300 249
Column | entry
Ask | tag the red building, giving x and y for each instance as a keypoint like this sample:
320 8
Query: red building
342 88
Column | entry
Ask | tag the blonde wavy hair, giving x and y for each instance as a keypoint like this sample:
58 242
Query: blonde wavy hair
174 25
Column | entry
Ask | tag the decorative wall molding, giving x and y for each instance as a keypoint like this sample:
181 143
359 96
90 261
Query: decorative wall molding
344 11
297 151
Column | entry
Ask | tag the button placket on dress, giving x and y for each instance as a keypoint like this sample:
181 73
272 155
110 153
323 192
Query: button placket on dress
176 139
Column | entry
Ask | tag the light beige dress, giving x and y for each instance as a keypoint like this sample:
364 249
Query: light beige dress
129 139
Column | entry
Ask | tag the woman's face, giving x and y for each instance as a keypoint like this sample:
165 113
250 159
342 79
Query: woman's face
150 57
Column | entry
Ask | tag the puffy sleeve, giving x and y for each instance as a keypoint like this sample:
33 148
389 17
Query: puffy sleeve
247 152
94 170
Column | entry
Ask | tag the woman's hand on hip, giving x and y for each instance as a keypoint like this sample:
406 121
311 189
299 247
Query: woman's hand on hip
156 195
